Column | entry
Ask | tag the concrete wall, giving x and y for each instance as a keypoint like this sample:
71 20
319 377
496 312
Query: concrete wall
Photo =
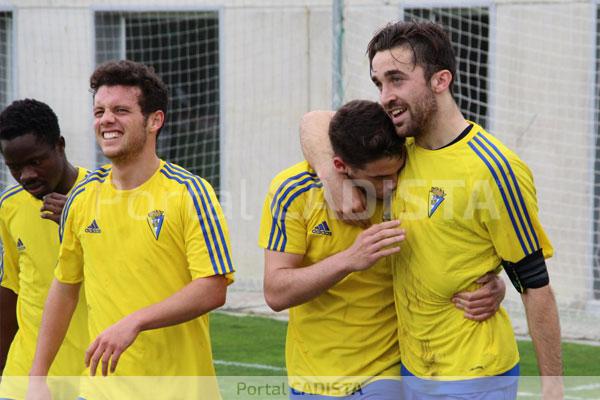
277 65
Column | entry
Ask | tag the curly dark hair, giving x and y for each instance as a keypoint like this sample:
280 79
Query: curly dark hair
429 42
29 116
361 132
154 93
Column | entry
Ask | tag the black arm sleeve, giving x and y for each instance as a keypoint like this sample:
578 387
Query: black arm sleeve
530 272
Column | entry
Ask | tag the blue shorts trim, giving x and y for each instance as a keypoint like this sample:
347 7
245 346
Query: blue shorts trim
508 379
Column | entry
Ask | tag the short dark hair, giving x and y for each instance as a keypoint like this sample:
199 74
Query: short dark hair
154 93
361 132
26 116
429 42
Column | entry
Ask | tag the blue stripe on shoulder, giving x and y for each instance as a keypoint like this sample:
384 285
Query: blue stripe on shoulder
279 197
510 190
11 191
505 199
314 185
517 188
186 181
98 175
215 218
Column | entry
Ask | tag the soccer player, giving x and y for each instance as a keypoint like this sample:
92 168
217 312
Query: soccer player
34 152
149 241
342 328
468 205
342 333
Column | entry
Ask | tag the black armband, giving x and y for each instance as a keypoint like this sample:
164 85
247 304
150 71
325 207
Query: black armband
529 273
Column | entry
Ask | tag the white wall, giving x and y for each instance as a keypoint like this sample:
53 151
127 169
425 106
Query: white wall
277 65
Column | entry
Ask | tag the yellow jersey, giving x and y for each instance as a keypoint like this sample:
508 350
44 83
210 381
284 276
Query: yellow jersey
30 249
465 208
349 333
134 248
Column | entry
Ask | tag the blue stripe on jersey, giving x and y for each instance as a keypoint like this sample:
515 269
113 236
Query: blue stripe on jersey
284 183
220 246
99 175
499 184
65 213
278 199
11 191
510 190
186 181
291 199
518 189
198 214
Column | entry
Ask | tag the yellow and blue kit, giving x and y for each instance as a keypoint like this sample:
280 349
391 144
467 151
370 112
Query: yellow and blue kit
466 208
134 248
29 252
349 330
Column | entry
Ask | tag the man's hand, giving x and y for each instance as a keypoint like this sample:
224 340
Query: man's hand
38 389
373 244
346 200
53 206
485 301
110 344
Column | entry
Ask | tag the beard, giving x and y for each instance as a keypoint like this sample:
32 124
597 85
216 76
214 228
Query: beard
421 115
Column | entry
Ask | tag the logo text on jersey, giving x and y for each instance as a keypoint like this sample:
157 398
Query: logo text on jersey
322 229
436 197
20 245
155 221
93 228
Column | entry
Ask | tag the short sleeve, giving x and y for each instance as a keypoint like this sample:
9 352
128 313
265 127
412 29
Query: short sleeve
206 235
9 269
510 211
69 268
283 225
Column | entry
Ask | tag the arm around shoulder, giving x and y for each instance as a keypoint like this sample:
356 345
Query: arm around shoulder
345 199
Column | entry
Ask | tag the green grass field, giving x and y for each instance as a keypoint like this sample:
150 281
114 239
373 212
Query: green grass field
261 341
254 367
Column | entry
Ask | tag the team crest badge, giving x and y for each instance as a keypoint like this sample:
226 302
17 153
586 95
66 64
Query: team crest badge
436 197
155 220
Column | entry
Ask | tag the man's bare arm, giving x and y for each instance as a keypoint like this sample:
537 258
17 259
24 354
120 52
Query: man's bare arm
287 283
193 300
344 198
8 322
544 328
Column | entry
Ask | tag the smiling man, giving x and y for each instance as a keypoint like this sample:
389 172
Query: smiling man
335 278
469 206
34 152
150 241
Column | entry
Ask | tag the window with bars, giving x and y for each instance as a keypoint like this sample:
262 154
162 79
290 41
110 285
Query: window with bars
6 45
183 48
469 30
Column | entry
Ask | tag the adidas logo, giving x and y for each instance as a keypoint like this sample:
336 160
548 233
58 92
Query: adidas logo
93 228
322 229
20 245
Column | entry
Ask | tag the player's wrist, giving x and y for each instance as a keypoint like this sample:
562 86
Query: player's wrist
40 371
346 262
